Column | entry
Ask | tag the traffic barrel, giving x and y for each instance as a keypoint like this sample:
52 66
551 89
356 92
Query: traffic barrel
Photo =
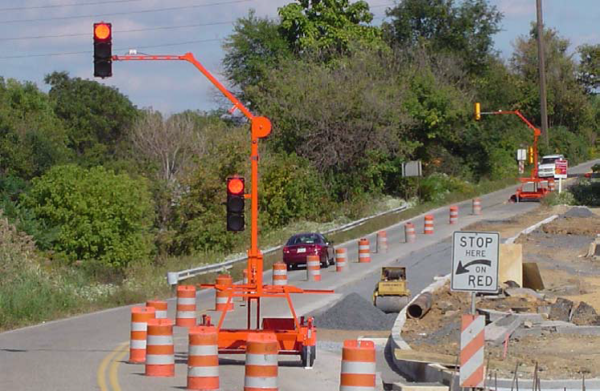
410 233
428 227
382 246
280 273
364 251
551 185
313 268
160 352
203 359
261 362
476 206
186 306
161 307
453 214
139 328
222 296
358 366
341 259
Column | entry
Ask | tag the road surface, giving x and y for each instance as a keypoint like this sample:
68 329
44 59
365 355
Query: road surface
88 352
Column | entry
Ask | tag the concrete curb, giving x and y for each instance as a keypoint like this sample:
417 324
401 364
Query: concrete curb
431 372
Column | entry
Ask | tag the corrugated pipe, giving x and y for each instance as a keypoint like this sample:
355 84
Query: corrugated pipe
420 306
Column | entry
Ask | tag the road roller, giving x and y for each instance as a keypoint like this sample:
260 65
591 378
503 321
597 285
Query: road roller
391 293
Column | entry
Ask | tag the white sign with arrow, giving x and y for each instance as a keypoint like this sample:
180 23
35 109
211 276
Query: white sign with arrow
475 258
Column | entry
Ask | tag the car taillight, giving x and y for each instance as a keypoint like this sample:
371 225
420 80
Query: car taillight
316 249
286 250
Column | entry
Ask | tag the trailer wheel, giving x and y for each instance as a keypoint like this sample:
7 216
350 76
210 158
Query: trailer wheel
308 356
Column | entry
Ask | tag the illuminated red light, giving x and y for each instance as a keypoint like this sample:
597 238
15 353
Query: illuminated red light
102 31
235 186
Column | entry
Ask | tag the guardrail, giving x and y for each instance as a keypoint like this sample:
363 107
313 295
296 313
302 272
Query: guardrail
173 278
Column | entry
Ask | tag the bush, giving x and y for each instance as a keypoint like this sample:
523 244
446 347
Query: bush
99 215
436 186
587 193
564 198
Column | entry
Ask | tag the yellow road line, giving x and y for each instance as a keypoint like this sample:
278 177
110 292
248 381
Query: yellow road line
113 374
101 378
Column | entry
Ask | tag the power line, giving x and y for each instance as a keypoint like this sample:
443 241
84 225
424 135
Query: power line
115 31
37 7
116 50
124 13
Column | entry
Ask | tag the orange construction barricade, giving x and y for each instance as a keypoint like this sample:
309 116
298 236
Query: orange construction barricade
358 366
364 251
139 328
160 352
203 359
186 306
261 362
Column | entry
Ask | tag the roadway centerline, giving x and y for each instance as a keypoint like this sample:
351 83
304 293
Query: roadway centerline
120 351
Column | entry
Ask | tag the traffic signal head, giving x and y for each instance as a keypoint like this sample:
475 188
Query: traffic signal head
477 111
102 50
530 155
235 204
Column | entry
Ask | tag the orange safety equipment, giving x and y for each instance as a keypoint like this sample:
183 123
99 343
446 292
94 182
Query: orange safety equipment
280 273
358 366
341 259
261 362
428 227
186 306
160 352
410 233
453 214
139 328
476 206
203 359
364 251
313 268
382 246
222 296
160 306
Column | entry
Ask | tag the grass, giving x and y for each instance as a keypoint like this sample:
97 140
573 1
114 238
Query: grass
35 293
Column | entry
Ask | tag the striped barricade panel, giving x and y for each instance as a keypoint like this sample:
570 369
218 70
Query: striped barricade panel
472 343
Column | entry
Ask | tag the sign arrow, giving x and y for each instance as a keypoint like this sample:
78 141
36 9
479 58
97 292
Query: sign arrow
463 269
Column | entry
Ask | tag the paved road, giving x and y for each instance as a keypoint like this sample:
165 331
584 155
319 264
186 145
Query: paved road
88 352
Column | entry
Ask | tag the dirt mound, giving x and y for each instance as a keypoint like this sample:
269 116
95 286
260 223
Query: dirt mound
579 211
354 313
588 226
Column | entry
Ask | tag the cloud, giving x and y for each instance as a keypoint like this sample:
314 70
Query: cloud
517 8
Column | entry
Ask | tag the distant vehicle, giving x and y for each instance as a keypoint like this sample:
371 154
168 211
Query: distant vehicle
299 246
547 166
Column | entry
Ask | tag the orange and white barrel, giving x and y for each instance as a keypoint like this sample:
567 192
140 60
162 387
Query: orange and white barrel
221 296
161 307
428 227
160 352
280 273
453 214
139 328
551 185
186 306
358 366
341 259
313 268
382 245
410 233
261 362
476 206
203 359
364 251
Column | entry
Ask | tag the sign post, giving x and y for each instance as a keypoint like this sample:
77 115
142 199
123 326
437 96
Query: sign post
561 167
475 257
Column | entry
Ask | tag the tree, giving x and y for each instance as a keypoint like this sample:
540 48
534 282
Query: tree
32 138
589 67
328 25
101 216
255 47
441 25
97 117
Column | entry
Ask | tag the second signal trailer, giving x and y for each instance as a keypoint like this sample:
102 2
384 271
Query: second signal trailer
296 335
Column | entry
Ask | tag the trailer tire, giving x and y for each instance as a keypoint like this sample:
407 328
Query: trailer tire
308 356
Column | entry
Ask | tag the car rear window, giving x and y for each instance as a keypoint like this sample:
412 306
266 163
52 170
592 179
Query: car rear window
549 160
304 239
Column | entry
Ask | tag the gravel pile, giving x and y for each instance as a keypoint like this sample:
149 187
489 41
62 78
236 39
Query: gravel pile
354 313
579 211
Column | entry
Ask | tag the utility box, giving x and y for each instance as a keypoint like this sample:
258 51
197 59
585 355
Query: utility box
521 155
412 169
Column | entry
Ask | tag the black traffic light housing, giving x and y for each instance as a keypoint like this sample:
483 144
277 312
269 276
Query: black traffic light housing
102 49
235 204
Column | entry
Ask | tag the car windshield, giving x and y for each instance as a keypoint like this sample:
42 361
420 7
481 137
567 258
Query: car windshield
304 239
549 160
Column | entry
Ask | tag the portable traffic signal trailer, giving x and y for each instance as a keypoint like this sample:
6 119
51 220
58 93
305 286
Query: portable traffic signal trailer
295 335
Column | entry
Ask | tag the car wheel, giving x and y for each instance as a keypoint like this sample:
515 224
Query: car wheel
332 261
325 263
289 266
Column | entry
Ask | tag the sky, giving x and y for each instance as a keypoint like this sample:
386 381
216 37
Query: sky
38 37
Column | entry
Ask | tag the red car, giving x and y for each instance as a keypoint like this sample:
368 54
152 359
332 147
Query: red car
299 246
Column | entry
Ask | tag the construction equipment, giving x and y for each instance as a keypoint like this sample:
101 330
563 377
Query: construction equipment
391 293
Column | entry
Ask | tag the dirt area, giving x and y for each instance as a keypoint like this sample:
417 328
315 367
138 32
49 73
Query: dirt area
559 249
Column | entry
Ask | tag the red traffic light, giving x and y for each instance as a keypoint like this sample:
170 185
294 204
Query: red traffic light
102 31
235 186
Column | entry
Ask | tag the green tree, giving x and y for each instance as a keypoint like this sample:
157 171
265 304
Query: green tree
97 117
465 29
589 67
328 25
32 138
254 47
101 216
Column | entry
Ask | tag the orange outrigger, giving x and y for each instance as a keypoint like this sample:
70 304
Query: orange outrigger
296 336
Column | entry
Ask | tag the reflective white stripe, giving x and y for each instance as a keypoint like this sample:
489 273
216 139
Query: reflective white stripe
356 388
186 300
160 340
186 314
363 255
204 350
279 272
261 359
315 272
363 247
260 382
358 367
161 314
137 344
160 359
203 371
475 362
280 282
139 326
